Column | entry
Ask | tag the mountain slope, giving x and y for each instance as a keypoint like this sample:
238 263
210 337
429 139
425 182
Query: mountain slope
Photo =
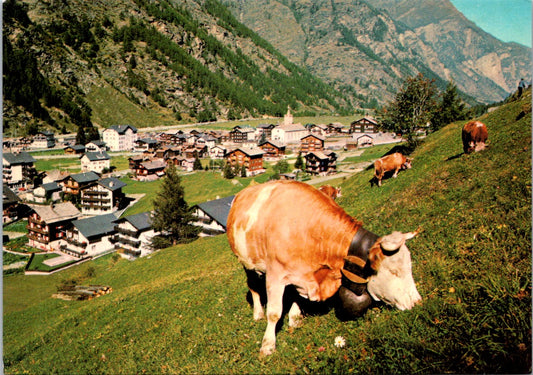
189 60
183 309
371 46
480 64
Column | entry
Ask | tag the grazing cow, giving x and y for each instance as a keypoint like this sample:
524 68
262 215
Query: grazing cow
389 163
331 191
474 136
294 235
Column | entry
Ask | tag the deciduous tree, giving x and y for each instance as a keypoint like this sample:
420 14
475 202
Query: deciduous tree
411 109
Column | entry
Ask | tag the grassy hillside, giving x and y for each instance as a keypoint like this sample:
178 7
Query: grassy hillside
183 309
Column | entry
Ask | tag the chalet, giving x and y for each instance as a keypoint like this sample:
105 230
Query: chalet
172 137
89 236
365 140
43 140
18 169
120 137
364 125
150 170
134 235
334 128
195 152
47 193
135 160
312 142
95 161
321 162
265 129
146 144
96 146
320 129
212 216
242 134
217 152
252 159
76 182
55 175
10 205
74 150
47 225
273 150
102 197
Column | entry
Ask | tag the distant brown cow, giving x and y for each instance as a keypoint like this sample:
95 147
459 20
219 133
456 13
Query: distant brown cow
474 136
389 163
331 191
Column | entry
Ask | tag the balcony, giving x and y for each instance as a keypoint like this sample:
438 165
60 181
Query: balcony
40 239
38 229
127 232
75 242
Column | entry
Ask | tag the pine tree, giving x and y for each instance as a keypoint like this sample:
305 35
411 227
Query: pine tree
80 136
451 108
299 164
197 164
172 214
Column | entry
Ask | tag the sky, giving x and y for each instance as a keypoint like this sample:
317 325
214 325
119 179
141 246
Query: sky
507 20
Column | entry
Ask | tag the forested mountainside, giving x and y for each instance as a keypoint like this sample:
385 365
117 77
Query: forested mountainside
370 47
72 63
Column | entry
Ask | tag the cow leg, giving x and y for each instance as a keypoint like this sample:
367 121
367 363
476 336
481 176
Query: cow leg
275 291
256 284
396 172
295 316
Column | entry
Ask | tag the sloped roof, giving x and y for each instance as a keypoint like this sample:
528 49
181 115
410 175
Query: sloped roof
51 187
9 196
77 147
111 183
18 158
218 209
85 177
56 212
154 164
121 129
250 151
96 156
96 226
141 221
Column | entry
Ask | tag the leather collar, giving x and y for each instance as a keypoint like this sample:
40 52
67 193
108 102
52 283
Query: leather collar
361 243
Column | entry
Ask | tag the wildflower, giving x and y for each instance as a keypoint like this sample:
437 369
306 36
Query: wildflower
321 349
340 342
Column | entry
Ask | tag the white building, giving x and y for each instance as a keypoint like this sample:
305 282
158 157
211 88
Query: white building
120 137
95 161
90 236
18 169
42 140
134 235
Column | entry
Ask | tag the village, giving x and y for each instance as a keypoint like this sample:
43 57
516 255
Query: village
76 217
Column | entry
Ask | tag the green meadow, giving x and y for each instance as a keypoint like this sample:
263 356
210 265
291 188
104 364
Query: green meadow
184 309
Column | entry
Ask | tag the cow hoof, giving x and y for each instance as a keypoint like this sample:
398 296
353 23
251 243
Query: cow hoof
259 315
267 350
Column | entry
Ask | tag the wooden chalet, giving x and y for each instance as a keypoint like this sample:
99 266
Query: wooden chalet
10 205
321 162
252 159
73 184
364 125
150 170
272 150
242 134
47 225
312 142
74 150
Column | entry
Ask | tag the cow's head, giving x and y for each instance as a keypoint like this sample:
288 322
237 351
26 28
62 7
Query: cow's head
407 163
393 281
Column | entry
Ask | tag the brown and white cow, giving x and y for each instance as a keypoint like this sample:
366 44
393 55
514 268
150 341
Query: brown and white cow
394 162
295 235
330 191
474 136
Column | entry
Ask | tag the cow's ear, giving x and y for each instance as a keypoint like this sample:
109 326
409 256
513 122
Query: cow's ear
375 256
